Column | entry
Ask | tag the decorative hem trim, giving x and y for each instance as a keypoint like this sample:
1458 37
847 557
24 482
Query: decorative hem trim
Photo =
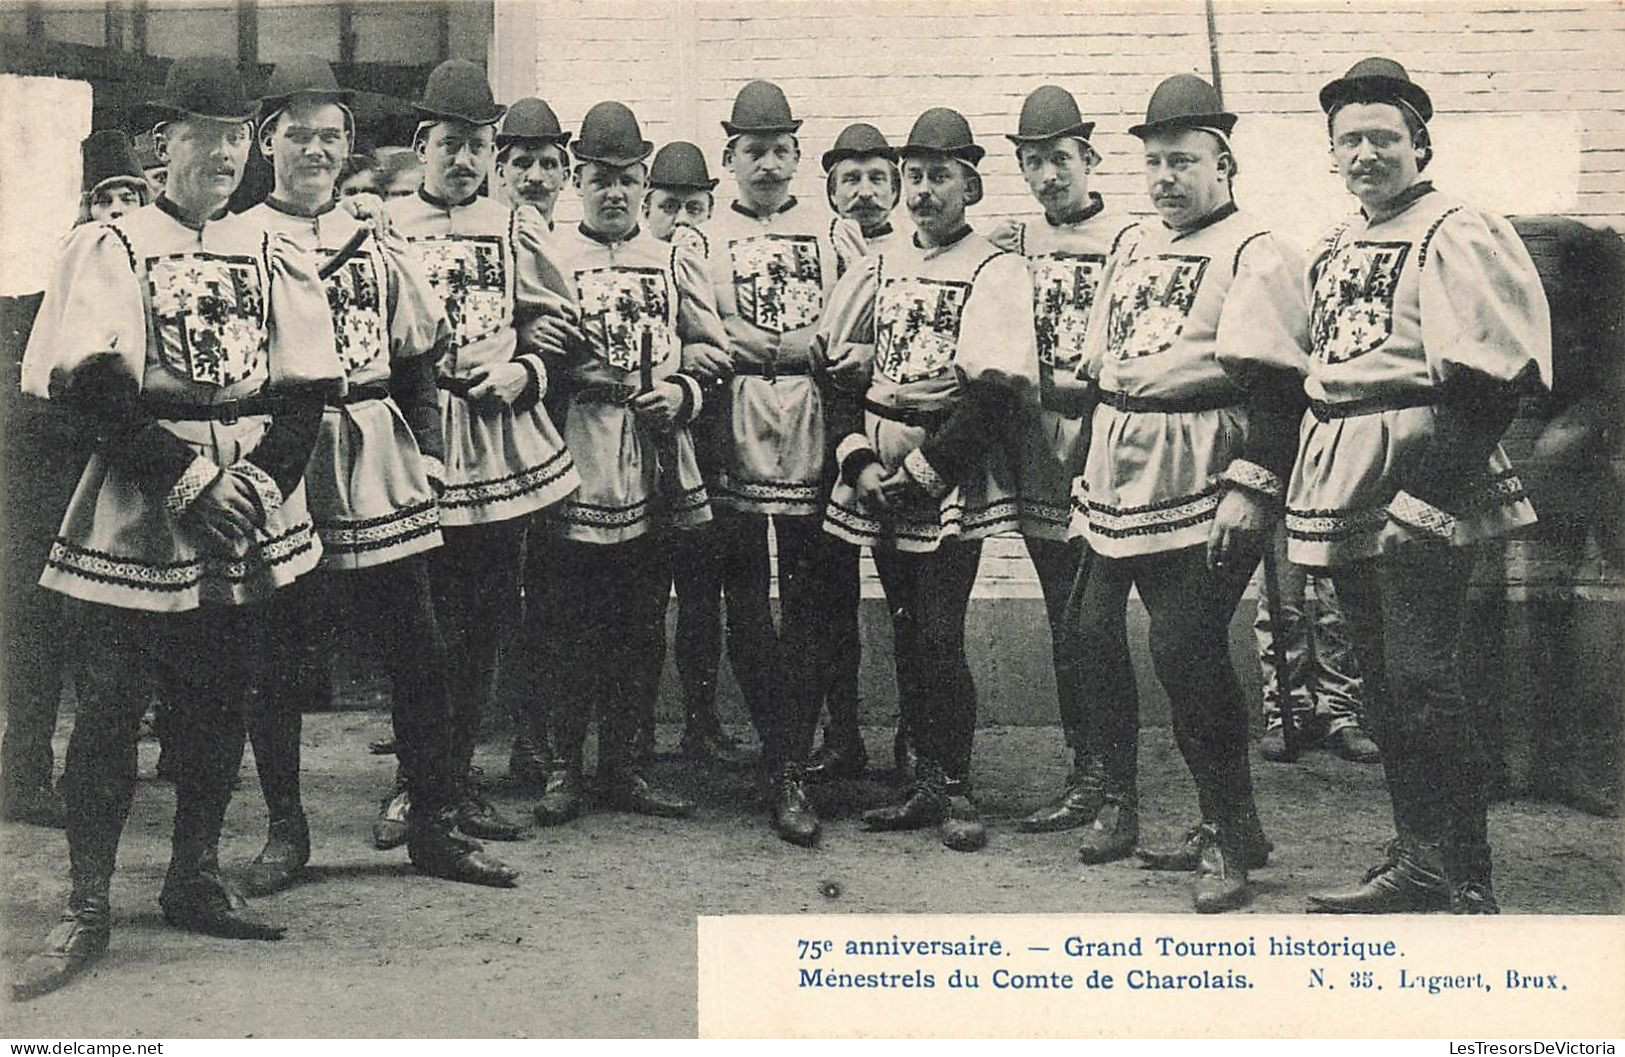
138 574
501 489
199 474
1170 515
350 537
925 475
1421 515
264 485
1254 478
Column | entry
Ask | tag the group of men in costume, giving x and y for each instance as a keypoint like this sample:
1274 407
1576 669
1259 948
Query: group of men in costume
466 419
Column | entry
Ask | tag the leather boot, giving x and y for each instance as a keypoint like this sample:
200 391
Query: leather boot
1221 879
438 852
197 898
1078 804
925 805
836 759
286 852
1409 880
79 938
561 799
628 790
793 817
389 829
963 829
1251 848
478 817
1113 833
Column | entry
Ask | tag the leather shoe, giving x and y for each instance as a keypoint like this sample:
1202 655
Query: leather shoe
1406 882
963 829
528 765
1112 836
389 828
834 761
285 854
207 903
712 746
438 852
793 817
632 792
1351 743
1473 897
41 806
79 938
1221 881
561 799
1251 851
1077 805
478 817
925 805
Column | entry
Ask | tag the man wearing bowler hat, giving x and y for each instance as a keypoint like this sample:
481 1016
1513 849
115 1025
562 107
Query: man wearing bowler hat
531 167
203 351
773 265
1193 353
504 460
924 472
605 576
1066 252
1427 321
863 185
372 485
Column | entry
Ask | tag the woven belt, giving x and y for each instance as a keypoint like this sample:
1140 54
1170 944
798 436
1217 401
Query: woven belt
1371 405
1169 405
922 419
773 369
604 393
226 411
358 394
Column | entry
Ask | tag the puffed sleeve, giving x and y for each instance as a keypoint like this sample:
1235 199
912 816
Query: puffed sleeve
1262 332
697 320
539 289
303 348
419 335
1093 358
997 360
849 320
92 314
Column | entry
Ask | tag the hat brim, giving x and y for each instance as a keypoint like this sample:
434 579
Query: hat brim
560 140
971 154
619 161
1083 130
672 186
832 158
342 96
1225 123
765 130
489 118
155 111
1346 88
133 179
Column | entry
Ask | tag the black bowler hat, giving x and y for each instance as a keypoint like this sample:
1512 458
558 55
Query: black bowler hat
1380 79
760 106
942 131
858 141
531 119
680 166
108 158
303 75
1184 101
458 90
208 87
1049 113
610 134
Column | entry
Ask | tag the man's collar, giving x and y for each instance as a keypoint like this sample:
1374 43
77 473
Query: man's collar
169 207
881 230
948 243
1404 199
785 207
292 210
608 240
1080 215
444 203
1226 210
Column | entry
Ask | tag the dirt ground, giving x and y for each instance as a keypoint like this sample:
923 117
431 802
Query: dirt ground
599 940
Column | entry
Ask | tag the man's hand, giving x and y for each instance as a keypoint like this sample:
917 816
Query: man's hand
1005 235
369 209
660 406
498 383
552 335
225 515
849 367
900 488
1236 540
707 363
849 241
871 488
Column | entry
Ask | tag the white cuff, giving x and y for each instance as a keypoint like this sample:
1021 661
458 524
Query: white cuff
1422 516
270 496
696 395
536 363
925 475
852 442
1254 478
434 470
193 482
